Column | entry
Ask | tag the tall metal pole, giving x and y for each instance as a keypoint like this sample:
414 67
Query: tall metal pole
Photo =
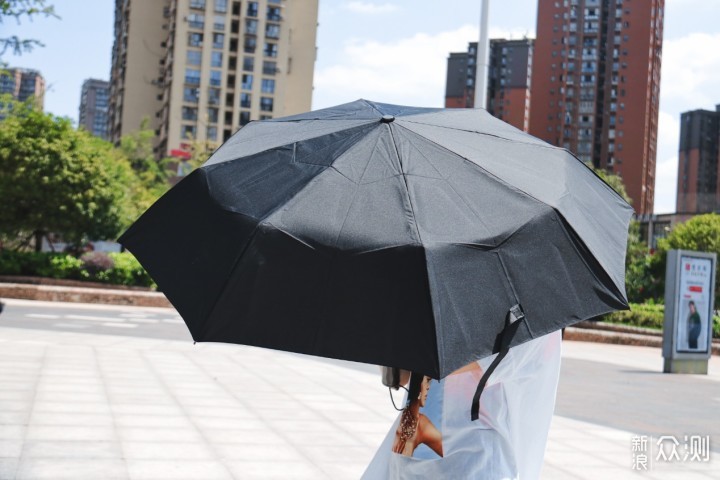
481 65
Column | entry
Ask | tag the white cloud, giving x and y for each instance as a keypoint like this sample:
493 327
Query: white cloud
666 185
371 8
408 71
691 70
667 161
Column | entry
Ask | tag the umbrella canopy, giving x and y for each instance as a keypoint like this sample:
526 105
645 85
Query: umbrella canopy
385 234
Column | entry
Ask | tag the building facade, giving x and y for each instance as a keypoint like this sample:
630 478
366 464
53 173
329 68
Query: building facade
596 86
509 78
698 184
94 98
204 68
23 84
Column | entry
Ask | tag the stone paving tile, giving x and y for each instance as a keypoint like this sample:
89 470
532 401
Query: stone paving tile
177 470
69 432
349 470
275 470
10 448
71 449
278 452
158 434
72 419
8 467
71 469
167 451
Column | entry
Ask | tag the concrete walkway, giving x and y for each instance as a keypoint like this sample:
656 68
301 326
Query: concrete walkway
91 406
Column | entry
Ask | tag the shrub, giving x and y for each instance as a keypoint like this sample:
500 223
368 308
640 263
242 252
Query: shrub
64 266
114 268
95 263
127 271
649 315
639 315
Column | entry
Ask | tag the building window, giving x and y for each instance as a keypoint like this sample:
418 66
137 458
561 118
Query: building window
247 81
213 96
244 118
265 117
251 27
266 104
192 76
249 44
249 64
245 100
268 85
212 134
200 4
252 9
212 115
215 78
216 59
188 132
271 50
195 20
191 94
272 30
195 39
189 113
194 57
221 6
218 40
273 14
219 22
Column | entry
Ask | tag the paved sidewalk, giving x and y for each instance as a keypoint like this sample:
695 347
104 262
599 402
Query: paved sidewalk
90 406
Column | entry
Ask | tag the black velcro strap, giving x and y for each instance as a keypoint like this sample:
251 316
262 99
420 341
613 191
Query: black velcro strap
512 322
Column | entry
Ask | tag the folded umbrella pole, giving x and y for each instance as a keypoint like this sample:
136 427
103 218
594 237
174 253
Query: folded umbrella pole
385 234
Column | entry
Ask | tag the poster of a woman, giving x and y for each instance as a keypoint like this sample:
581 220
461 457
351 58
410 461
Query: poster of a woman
694 325
416 428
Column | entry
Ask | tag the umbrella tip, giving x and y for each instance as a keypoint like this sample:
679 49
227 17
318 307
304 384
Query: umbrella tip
387 118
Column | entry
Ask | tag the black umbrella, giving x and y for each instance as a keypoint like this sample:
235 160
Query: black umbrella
385 234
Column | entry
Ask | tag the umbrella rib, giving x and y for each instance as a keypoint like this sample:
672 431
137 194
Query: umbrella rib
489 173
449 184
407 188
540 145
357 187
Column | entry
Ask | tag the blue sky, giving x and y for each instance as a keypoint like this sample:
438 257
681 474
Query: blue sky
395 52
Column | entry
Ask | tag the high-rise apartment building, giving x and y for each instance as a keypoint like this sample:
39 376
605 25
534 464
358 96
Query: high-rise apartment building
698 183
218 64
596 85
509 80
94 99
460 79
509 69
22 84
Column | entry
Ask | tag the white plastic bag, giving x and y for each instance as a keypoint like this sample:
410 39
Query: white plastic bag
506 442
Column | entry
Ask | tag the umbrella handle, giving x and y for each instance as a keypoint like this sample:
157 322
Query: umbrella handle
513 320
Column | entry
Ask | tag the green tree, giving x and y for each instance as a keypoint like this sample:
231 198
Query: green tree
614 181
700 234
54 178
152 175
638 282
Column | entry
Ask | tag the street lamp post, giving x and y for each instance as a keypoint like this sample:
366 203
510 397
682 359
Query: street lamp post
481 72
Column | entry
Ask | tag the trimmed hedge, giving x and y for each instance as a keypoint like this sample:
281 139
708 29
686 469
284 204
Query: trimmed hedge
113 268
648 315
